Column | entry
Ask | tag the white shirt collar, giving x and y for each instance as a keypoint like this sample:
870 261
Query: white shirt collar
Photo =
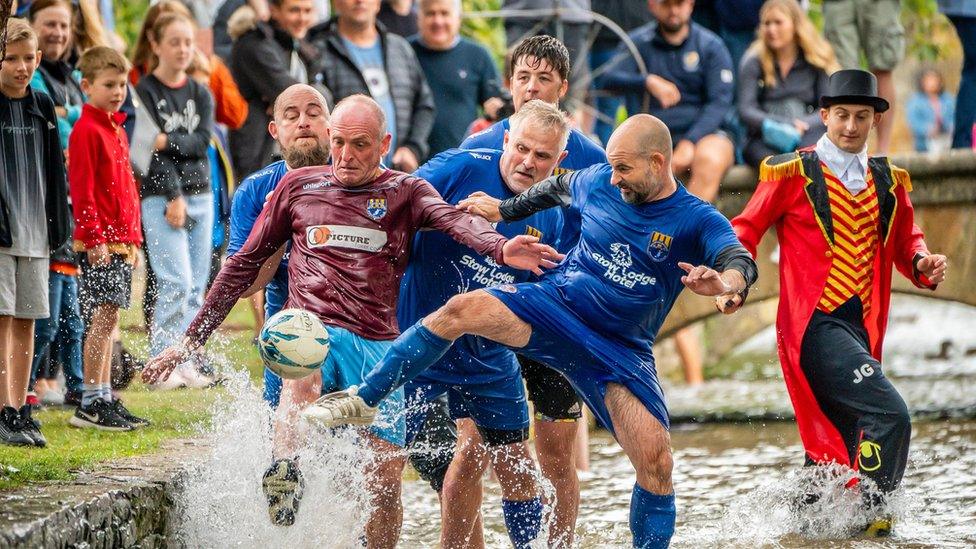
850 168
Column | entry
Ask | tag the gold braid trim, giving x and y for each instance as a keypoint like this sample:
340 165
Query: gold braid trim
901 177
780 167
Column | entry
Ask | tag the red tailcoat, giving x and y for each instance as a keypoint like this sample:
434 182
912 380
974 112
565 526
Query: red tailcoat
792 195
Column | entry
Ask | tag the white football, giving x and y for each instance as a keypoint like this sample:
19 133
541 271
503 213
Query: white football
293 343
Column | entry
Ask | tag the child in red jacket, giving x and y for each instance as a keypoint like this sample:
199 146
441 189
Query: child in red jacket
107 229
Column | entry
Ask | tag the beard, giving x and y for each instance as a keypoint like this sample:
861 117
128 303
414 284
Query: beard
301 157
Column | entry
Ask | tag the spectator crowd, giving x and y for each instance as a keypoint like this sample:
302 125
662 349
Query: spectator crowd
137 158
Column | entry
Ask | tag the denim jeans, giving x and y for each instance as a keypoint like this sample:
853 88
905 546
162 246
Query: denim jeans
65 326
181 261
962 137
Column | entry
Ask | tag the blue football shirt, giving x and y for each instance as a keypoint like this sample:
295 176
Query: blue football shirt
623 276
582 153
249 198
441 268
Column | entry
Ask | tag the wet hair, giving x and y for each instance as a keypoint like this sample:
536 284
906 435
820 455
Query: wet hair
18 31
542 48
100 58
543 114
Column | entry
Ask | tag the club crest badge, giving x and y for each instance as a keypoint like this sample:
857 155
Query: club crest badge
376 208
659 246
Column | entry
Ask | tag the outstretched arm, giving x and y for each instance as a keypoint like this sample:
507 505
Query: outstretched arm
237 275
522 252
548 193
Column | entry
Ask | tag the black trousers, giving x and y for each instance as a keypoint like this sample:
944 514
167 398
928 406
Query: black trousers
855 395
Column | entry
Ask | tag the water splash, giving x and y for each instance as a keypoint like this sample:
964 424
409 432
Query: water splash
222 504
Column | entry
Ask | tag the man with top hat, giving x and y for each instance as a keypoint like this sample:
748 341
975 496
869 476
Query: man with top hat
842 219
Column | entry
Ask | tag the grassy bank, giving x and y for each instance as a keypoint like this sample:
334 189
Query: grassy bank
174 414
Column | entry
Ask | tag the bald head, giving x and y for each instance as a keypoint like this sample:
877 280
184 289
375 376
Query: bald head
643 135
297 96
639 151
363 111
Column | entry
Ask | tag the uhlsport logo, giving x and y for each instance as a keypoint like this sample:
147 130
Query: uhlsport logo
659 246
618 267
344 236
376 207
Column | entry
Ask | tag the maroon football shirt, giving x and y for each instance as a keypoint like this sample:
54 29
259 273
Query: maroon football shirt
349 248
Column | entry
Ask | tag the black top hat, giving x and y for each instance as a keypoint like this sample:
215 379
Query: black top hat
853 87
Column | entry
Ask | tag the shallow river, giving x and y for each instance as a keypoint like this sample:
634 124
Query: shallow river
734 481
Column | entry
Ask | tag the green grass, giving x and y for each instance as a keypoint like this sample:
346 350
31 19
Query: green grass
174 414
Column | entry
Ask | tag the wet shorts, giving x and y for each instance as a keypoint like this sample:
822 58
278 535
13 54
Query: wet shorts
350 358
588 359
23 286
498 408
553 397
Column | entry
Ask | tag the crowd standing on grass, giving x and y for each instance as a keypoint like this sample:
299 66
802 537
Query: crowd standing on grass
169 155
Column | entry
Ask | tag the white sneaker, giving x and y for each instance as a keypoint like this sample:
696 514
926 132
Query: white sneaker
174 381
193 377
340 408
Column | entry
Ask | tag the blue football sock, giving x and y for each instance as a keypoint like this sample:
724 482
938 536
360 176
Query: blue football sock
414 351
106 393
523 520
651 519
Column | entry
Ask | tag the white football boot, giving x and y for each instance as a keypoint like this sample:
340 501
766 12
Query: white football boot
340 408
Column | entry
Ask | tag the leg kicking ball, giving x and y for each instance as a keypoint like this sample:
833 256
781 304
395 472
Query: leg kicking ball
293 343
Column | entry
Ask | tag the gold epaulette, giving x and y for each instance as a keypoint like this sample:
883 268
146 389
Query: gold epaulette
901 177
780 167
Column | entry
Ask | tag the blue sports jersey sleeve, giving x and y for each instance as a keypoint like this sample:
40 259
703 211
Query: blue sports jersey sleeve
716 235
491 138
244 211
581 183
443 169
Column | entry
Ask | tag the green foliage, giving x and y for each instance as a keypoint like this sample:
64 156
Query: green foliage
128 19
488 32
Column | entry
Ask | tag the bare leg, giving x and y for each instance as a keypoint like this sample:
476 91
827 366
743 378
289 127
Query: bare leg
714 154
479 313
295 395
689 349
257 309
462 493
555 444
98 345
583 442
645 441
5 327
20 351
385 474
886 89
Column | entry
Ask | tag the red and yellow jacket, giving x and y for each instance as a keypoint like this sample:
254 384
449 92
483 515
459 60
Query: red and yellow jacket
792 195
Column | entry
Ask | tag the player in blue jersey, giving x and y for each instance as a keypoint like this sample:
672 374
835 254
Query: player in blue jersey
300 127
540 68
481 378
643 239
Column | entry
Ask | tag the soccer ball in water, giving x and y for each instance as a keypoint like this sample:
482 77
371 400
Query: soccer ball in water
293 343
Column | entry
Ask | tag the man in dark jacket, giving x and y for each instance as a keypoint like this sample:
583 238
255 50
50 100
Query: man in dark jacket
264 61
358 55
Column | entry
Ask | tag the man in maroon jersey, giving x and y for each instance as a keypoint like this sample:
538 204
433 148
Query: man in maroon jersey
350 227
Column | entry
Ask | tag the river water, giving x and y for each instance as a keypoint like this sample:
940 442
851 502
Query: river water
734 481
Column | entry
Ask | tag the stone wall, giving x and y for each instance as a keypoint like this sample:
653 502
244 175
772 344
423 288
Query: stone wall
122 504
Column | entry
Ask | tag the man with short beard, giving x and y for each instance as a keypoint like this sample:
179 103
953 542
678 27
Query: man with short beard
300 126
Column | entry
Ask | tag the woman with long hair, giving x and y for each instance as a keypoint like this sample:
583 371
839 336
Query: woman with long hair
781 79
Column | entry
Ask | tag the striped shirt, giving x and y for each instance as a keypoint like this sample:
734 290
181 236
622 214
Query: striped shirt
855 222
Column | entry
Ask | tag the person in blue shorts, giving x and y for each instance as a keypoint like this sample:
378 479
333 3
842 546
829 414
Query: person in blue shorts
299 126
595 317
540 69
481 378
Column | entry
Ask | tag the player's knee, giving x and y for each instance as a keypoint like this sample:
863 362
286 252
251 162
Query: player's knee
658 468
450 321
